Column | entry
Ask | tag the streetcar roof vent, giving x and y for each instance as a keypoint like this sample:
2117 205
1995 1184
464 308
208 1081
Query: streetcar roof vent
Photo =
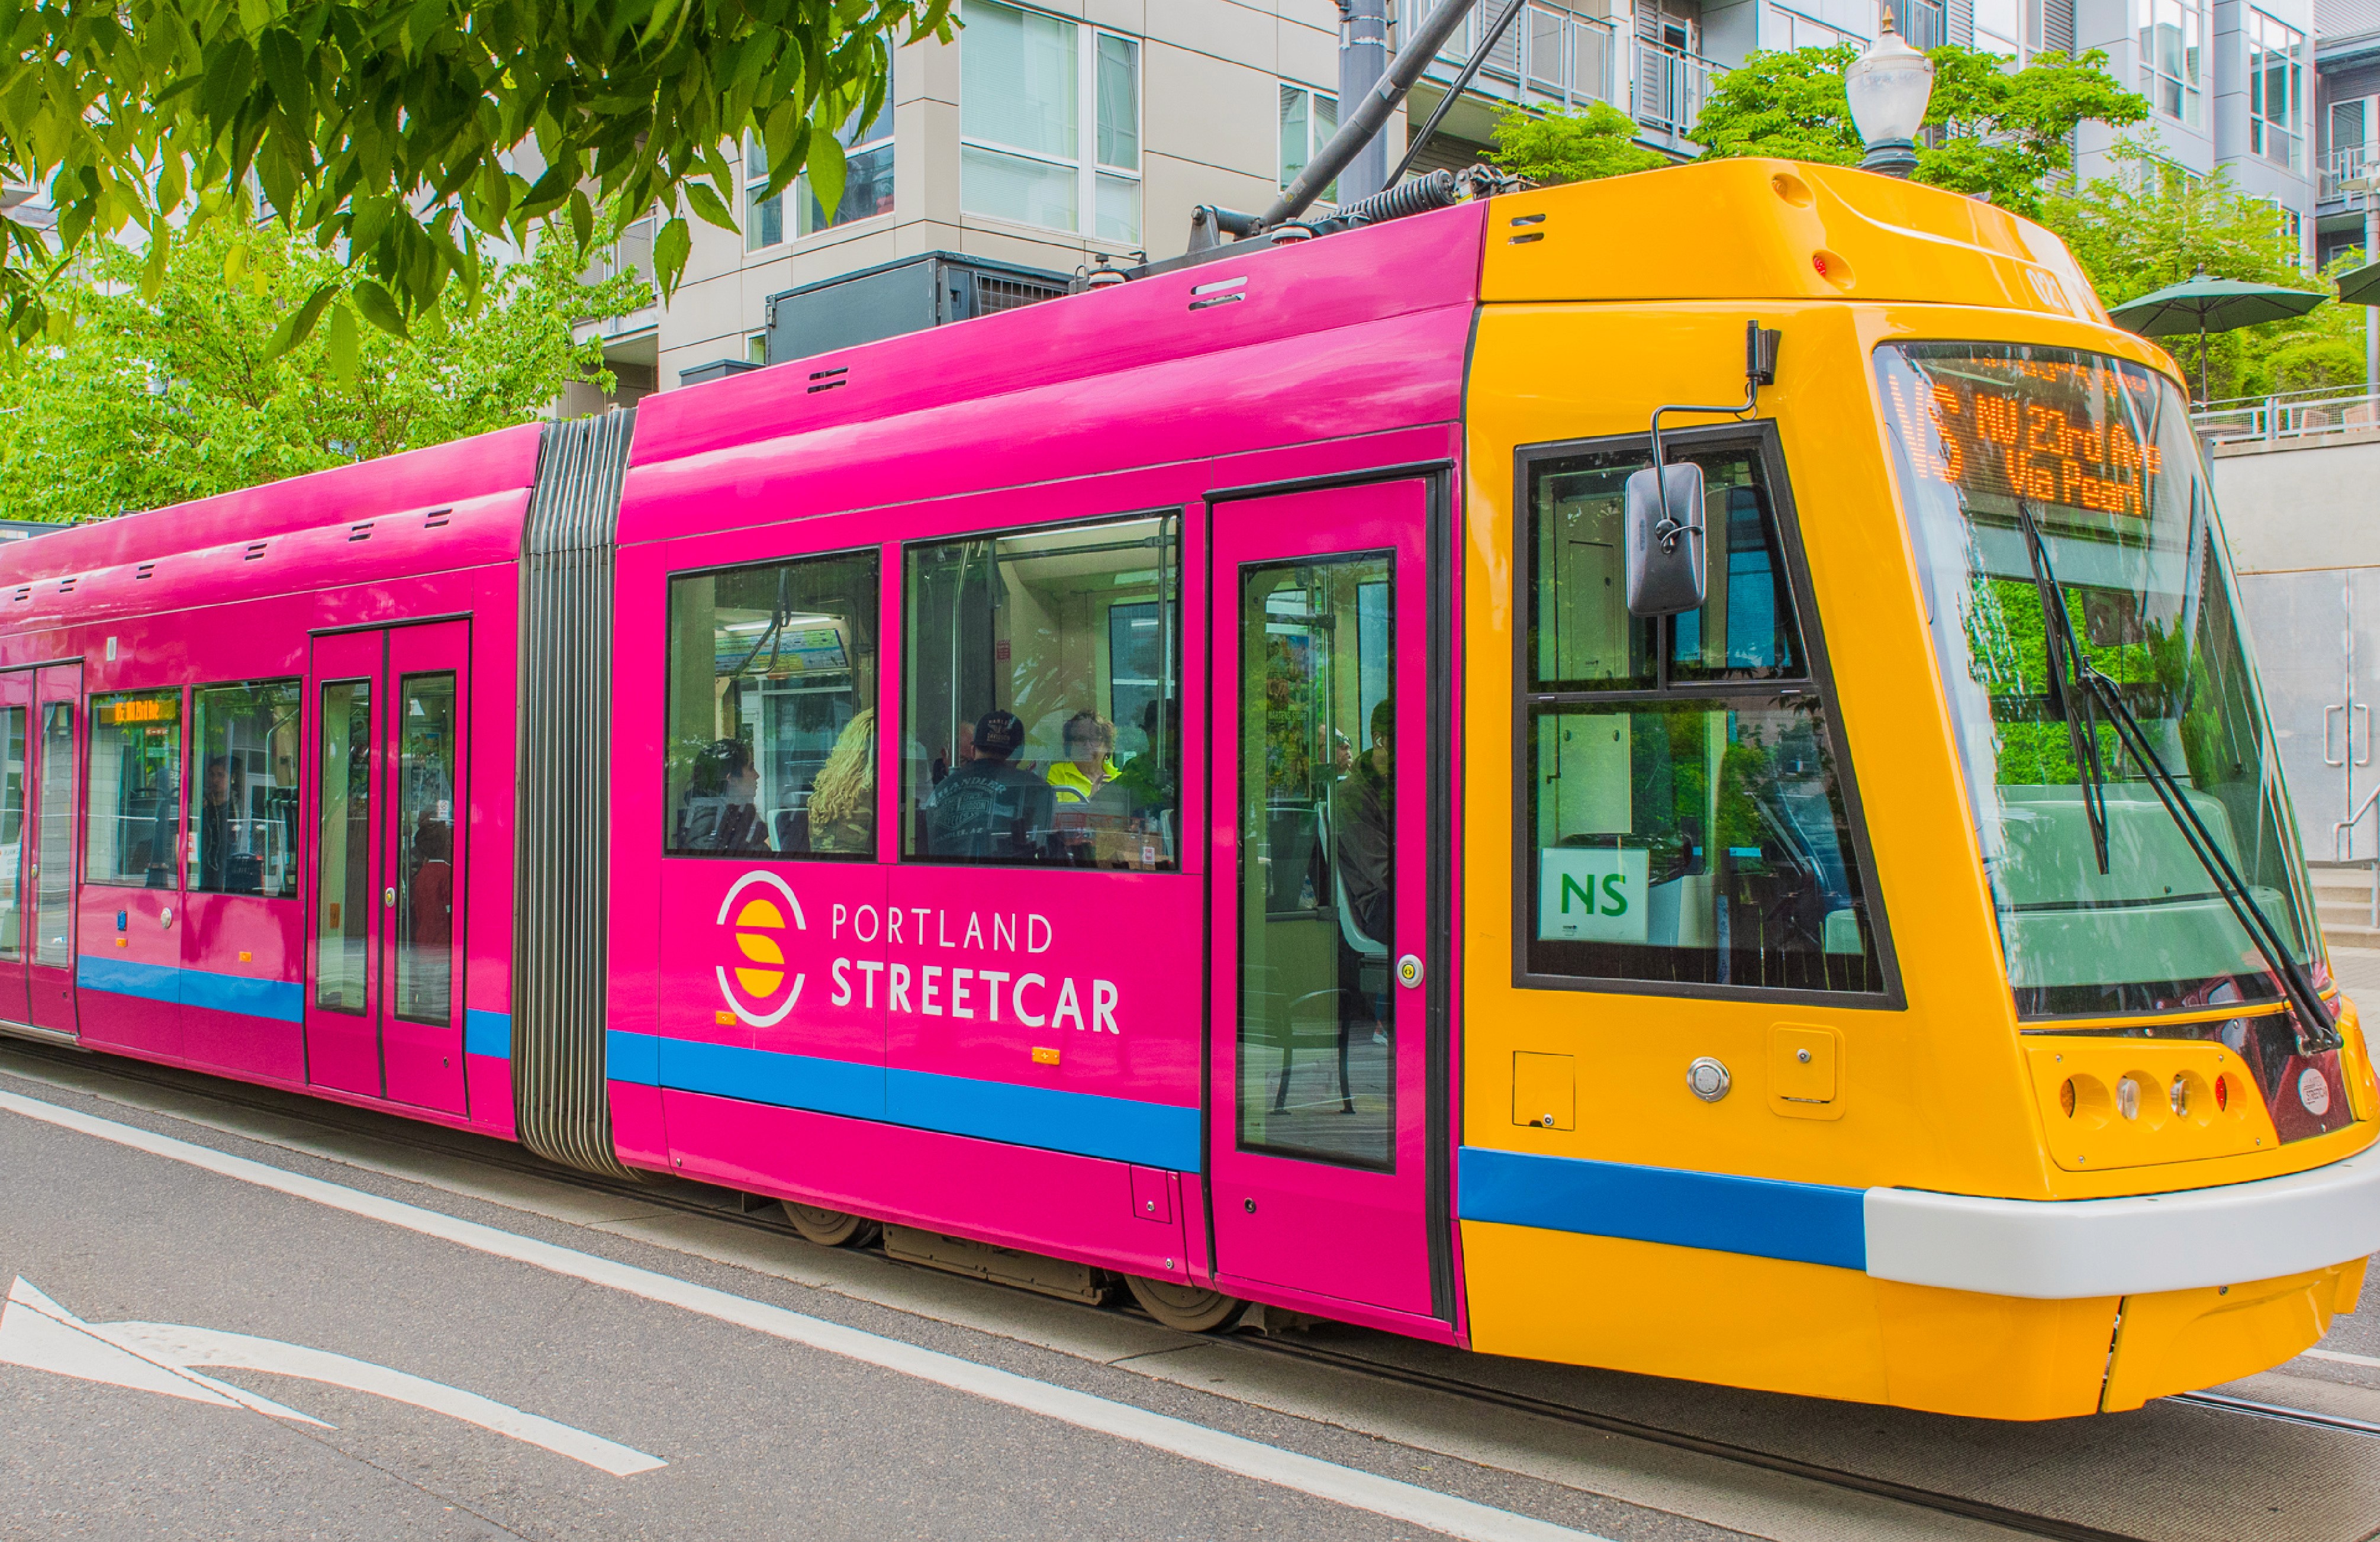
65 586
436 519
255 550
146 570
826 380
1222 291
361 532
24 593
1526 235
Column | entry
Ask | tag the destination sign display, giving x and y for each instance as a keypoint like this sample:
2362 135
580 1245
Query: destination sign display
2047 431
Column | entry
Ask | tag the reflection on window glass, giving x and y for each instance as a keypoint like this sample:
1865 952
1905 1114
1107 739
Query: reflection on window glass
245 797
1044 706
1687 821
12 832
2098 454
772 720
1317 887
1694 841
135 806
54 886
1584 638
343 844
425 815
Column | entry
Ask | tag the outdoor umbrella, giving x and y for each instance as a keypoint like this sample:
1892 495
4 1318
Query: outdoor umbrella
2204 305
2362 286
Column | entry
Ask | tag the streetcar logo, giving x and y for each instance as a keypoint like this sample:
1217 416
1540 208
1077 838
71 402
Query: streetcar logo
762 923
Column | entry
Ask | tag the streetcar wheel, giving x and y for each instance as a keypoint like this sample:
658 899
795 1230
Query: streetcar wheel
1185 1308
831 1228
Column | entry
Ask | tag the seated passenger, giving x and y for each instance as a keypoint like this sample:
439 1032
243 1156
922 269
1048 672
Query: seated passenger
1090 741
214 828
843 797
986 807
720 815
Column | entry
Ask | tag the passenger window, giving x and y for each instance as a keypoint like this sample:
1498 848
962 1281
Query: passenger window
772 710
1044 715
135 809
12 832
1686 817
244 793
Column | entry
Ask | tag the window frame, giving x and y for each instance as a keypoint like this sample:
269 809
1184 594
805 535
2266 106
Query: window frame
81 863
795 200
1759 439
2196 31
1328 197
2259 30
1178 657
193 791
870 548
1084 164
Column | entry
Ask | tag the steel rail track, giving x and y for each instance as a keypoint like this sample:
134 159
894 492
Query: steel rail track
374 1123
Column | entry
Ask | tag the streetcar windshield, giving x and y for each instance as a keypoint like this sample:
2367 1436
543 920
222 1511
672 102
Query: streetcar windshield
2103 906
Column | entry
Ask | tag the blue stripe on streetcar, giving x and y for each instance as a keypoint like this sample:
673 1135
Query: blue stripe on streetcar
1085 1124
149 982
1808 1223
280 1001
488 1033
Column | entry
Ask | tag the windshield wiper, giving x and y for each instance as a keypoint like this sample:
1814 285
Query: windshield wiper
2079 696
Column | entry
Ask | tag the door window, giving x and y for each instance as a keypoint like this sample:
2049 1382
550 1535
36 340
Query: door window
425 833
134 819
343 899
1686 818
1318 862
12 833
1020 650
772 710
244 789
54 891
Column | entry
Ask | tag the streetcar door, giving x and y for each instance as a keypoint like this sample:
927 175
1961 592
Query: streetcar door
383 1016
55 745
15 858
1321 1155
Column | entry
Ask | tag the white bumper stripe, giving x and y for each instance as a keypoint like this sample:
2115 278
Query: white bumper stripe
2058 1250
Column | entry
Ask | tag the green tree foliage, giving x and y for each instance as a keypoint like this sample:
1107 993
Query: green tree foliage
2147 225
397 131
2001 133
145 401
1572 147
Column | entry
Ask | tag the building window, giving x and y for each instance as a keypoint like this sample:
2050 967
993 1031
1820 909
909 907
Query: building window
771 709
2352 132
1028 151
134 816
2276 90
245 800
1043 671
1998 25
2171 70
1309 119
867 186
1686 818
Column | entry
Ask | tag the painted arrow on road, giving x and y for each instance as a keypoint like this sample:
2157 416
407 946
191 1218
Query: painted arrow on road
38 1333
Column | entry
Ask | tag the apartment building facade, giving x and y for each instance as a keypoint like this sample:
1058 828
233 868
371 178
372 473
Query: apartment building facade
1060 135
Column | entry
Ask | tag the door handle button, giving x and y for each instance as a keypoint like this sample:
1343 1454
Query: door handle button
388 896
165 916
1409 970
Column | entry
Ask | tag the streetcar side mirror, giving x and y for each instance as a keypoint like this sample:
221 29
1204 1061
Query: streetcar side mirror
1666 557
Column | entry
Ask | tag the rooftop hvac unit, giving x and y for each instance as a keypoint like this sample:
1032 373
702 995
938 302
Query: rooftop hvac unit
908 295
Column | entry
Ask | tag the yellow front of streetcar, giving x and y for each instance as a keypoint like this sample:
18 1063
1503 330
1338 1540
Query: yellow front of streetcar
1893 978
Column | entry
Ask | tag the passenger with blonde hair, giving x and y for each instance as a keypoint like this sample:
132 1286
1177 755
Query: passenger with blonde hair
843 797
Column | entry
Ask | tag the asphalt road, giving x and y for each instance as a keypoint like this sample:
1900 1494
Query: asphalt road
454 1347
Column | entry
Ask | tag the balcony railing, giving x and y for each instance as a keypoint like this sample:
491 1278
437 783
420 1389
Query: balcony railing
2340 167
1671 85
1549 57
2286 415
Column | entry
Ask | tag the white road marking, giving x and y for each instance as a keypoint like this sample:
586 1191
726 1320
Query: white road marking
1351 1487
2341 1359
157 1357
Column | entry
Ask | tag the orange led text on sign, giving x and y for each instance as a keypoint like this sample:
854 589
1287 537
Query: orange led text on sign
2034 449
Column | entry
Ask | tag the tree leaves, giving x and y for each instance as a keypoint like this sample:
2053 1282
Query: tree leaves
1571 147
416 132
1999 133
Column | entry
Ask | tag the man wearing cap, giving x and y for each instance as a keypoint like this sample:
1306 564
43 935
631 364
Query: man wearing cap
989 809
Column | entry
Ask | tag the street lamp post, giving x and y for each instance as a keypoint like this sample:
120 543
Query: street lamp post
1888 87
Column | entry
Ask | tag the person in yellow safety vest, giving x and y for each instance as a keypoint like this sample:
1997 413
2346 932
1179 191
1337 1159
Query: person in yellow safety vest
1090 739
